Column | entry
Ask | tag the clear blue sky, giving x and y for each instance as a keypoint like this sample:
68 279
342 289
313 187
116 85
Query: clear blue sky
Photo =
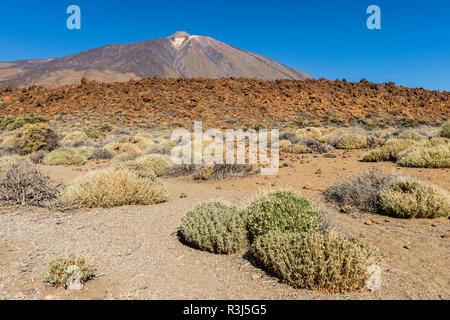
324 38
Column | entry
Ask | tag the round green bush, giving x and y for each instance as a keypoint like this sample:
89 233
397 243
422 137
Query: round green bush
414 199
214 227
64 156
322 262
284 211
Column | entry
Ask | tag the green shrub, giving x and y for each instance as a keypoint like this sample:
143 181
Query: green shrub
445 131
111 188
93 134
11 123
389 151
259 126
409 198
410 135
284 211
56 273
352 141
64 156
434 153
35 137
158 163
214 227
325 263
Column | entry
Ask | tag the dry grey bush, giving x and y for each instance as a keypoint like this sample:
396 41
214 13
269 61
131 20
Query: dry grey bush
37 157
26 185
314 145
220 171
160 149
101 154
290 136
362 191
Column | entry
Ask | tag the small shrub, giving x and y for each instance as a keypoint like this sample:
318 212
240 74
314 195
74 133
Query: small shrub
23 184
326 263
290 136
37 157
445 131
259 126
409 198
297 149
74 139
35 137
214 227
410 135
160 149
434 153
101 154
284 144
64 156
220 171
57 273
94 134
158 163
314 145
284 211
389 151
120 148
6 162
362 191
140 170
351 141
124 157
111 188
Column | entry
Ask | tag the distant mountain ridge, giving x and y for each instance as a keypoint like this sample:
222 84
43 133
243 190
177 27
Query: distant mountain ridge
179 56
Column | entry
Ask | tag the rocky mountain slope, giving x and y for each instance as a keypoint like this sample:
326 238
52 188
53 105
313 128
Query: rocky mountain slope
227 102
178 56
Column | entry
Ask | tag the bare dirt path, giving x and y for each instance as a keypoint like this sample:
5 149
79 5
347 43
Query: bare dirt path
138 255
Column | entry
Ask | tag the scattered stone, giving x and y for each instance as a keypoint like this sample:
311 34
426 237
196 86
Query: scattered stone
74 280
368 222
219 188
183 195
347 209
329 155
375 220
407 247
307 186
318 172
445 236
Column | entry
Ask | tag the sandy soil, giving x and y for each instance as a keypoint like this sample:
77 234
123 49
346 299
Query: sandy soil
138 255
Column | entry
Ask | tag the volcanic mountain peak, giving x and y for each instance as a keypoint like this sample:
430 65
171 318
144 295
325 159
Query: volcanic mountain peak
180 55
180 34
